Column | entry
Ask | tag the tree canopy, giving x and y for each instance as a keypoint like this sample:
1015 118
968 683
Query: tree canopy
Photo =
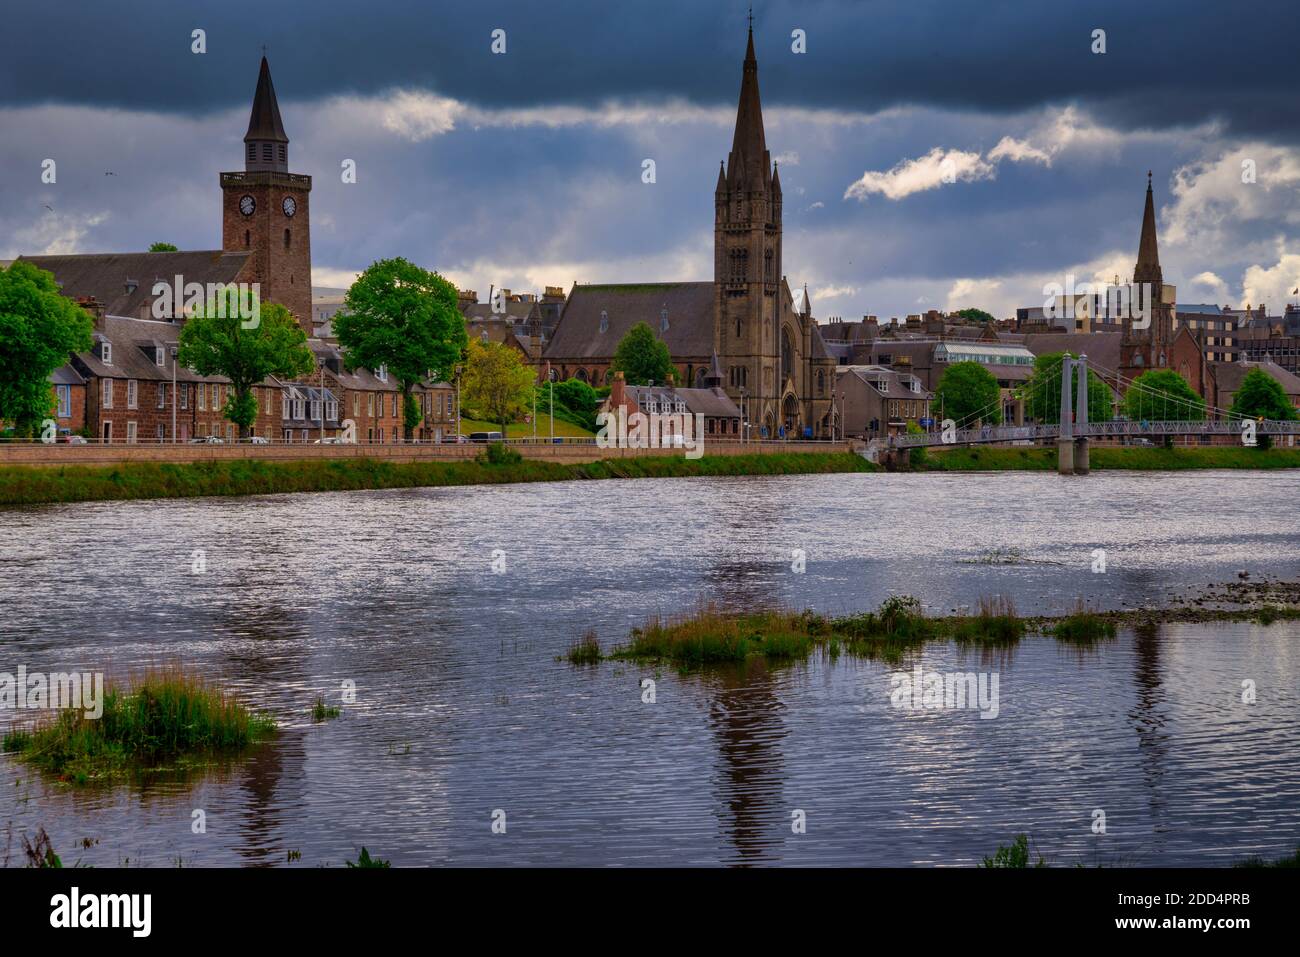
975 315
214 341
1262 396
1162 395
497 384
39 330
163 248
968 392
404 319
1042 392
642 357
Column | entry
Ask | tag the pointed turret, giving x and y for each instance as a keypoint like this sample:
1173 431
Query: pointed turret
722 179
749 162
266 147
714 379
1148 261
776 181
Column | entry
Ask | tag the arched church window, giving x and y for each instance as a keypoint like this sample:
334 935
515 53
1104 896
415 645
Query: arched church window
663 318
738 329
787 356
604 321
287 239
768 261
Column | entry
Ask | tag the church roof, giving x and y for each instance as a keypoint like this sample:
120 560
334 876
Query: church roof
108 276
265 123
1229 375
1101 348
583 333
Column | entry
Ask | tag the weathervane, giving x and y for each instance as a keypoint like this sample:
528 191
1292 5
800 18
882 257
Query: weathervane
751 16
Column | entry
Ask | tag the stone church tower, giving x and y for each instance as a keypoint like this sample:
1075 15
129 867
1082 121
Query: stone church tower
771 354
265 210
1149 348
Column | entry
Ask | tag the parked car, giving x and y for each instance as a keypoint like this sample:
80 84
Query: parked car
72 439
257 440
1143 442
208 440
329 440
454 440
486 437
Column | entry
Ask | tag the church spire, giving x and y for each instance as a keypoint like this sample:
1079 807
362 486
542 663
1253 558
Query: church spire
749 163
1148 261
266 147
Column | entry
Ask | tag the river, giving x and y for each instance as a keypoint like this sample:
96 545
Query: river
462 708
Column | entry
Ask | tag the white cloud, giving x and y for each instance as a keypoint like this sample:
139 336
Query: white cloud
1018 151
1218 288
834 292
1272 285
934 169
790 158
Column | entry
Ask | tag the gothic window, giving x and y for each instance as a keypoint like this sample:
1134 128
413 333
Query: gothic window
284 153
663 318
252 153
247 237
821 381
787 356
768 261
604 321
739 265
286 239
268 154
738 329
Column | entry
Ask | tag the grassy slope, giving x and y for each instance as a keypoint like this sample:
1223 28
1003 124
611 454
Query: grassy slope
981 459
21 485
524 430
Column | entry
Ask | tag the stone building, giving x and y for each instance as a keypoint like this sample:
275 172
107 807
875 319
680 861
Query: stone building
745 321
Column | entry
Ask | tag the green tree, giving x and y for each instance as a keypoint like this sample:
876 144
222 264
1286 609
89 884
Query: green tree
163 248
403 318
497 383
975 315
1042 392
967 391
215 341
642 357
1260 396
1162 395
39 330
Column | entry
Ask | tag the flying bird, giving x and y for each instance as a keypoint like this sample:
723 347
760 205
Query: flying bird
48 206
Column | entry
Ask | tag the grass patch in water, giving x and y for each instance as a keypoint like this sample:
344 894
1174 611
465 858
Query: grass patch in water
320 711
1082 627
166 719
586 651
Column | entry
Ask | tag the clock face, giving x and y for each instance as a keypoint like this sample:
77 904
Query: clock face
290 206
246 205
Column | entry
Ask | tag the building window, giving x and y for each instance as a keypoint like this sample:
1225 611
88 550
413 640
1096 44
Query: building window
247 239
201 390
268 154
130 433
131 393
162 395
332 410
64 393
356 404
106 353
185 395
370 404
162 432
604 321
287 241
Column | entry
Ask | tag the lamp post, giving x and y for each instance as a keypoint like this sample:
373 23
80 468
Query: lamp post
744 417
174 350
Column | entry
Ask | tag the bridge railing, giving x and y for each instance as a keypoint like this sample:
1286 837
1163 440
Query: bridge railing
1123 427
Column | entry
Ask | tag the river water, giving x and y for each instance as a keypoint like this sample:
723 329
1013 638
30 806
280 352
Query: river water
462 709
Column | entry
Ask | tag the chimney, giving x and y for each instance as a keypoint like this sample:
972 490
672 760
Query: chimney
94 307
617 392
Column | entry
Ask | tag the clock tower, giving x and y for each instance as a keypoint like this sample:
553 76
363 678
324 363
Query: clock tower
265 210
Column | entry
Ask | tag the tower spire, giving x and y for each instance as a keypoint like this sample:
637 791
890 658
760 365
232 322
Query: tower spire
749 157
266 147
1148 261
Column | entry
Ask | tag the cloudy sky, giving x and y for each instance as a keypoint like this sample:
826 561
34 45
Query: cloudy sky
523 169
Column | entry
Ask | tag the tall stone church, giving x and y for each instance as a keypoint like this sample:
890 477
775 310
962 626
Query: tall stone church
744 325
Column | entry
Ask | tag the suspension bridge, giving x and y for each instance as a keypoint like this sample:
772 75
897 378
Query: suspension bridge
1169 416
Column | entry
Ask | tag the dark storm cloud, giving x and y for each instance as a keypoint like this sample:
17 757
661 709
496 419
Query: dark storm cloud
1167 63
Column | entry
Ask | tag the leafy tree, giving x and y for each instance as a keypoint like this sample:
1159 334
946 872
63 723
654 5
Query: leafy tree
39 330
214 341
1042 392
497 383
1260 396
403 318
1162 395
163 248
975 315
642 357
967 391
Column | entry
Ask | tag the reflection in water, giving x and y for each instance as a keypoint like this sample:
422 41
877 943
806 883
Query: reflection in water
462 706
745 715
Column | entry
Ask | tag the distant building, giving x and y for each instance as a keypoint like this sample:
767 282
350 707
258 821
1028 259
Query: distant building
877 401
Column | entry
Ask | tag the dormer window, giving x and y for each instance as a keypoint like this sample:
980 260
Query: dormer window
604 321
106 352
158 354
382 373
663 318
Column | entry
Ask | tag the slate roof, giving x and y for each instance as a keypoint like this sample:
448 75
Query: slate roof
689 307
1228 375
1101 348
710 402
104 275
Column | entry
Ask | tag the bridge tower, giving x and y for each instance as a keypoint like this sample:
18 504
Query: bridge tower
1072 441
